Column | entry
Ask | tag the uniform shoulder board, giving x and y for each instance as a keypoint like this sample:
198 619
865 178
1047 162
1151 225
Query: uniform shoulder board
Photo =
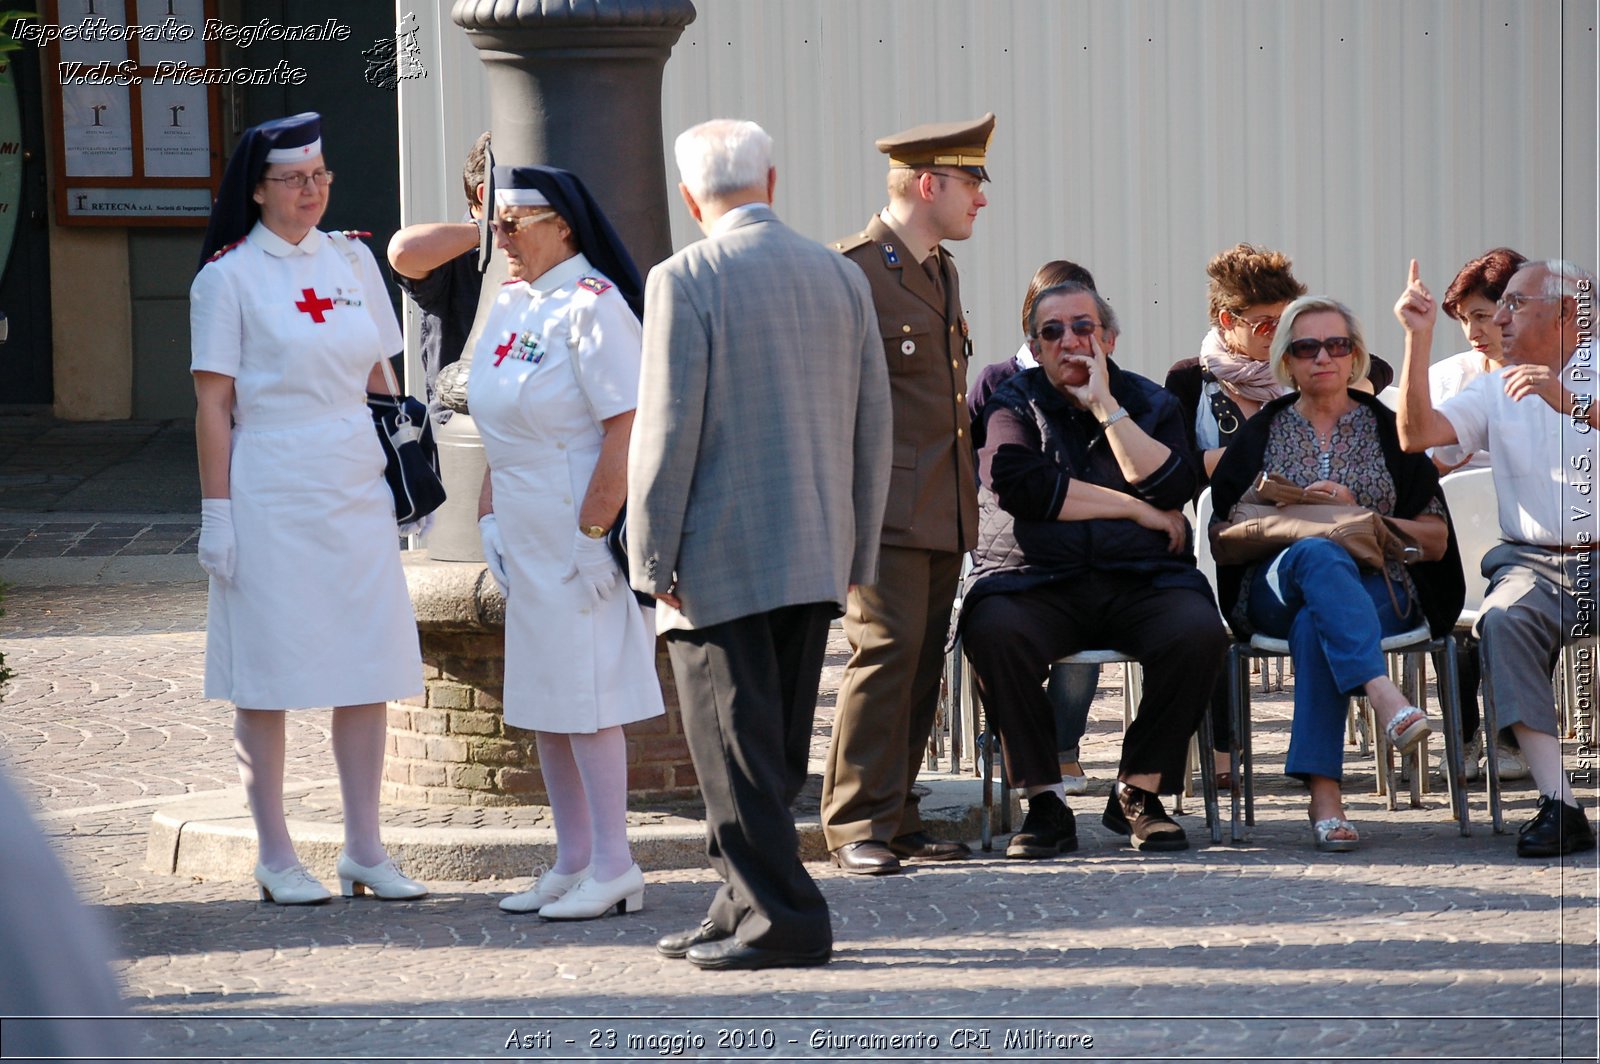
225 249
597 285
353 234
509 281
850 243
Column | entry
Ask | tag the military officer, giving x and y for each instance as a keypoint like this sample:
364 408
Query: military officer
897 626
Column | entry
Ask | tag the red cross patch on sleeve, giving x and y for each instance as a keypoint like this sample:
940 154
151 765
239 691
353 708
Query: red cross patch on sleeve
597 285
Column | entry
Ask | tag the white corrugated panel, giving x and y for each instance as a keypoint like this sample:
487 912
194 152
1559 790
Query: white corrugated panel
1141 138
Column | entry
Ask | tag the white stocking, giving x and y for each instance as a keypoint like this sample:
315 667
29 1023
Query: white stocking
258 744
603 762
358 738
564 785
1543 754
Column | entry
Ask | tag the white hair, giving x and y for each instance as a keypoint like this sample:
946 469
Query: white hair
1561 278
723 156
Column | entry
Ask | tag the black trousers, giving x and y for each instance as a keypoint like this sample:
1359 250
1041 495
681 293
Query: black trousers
748 692
1175 633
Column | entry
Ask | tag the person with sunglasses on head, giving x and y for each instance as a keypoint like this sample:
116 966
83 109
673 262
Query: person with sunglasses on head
308 604
553 384
896 626
1071 688
1332 438
1082 544
1536 416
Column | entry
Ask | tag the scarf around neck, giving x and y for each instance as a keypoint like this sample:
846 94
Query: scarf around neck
1243 377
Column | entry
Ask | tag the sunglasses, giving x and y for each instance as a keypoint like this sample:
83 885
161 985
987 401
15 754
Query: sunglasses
1260 326
507 226
1338 347
1051 331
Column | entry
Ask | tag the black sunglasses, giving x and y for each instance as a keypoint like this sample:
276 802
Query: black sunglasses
1338 347
1051 331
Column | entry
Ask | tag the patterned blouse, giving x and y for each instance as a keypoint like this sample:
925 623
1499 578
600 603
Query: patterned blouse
1354 459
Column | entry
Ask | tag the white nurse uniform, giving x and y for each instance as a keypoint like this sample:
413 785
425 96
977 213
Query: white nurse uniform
573 663
317 612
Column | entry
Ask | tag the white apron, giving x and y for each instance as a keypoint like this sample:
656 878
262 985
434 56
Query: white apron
317 612
573 664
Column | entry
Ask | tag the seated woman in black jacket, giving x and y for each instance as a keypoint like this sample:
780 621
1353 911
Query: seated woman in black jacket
1082 545
1329 437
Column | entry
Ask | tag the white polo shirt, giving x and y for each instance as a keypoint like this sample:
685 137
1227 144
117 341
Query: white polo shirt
1544 462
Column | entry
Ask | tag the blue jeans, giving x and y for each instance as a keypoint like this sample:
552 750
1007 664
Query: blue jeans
1333 616
1071 690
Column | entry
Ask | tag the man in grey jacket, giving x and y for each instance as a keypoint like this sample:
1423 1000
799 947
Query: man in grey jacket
757 479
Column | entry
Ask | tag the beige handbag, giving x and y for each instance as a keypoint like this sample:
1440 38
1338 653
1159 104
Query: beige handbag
1276 513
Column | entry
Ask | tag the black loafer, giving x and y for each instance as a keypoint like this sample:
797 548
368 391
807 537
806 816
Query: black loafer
1556 829
1138 814
920 846
729 954
677 946
866 858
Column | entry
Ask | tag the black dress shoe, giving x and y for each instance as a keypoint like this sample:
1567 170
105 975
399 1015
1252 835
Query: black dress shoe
1556 829
920 846
677 946
1138 814
867 858
730 954
1047 830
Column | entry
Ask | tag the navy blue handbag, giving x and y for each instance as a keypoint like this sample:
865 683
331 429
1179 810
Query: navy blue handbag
411 457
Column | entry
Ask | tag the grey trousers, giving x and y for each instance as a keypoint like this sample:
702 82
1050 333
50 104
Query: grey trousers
1538 599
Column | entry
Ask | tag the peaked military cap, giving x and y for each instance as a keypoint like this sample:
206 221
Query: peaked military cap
960 144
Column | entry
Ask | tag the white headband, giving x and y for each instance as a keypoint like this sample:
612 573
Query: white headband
519 197
294 155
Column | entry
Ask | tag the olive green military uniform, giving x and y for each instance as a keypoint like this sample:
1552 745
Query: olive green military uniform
897 627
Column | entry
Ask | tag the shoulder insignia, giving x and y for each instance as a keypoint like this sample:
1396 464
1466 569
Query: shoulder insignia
224 250
352 234
850 243
508 282
597 285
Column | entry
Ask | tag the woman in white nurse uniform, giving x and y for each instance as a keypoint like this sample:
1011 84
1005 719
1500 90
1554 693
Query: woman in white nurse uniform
308 604
552 388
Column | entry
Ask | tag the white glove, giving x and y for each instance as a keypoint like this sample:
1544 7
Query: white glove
494 551
218 547
418 528
592 565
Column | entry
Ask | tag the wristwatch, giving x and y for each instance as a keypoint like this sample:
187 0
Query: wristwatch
1116 416
594 531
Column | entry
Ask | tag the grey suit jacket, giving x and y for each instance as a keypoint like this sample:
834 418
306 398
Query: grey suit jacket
759 463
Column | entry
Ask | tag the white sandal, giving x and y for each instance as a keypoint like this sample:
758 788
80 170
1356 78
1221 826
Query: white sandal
1324 829
1407 728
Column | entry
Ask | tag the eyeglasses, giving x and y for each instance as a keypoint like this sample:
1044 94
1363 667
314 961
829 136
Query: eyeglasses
1338 347
506 226
972 183
1051 331
297 180
1260 326
1515 301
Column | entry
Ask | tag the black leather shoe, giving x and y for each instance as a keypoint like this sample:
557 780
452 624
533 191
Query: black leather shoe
730 954
1047 830
1556 829
1138 814
920 846
677 946
867 858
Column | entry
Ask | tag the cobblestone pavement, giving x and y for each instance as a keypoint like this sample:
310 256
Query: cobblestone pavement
1422 945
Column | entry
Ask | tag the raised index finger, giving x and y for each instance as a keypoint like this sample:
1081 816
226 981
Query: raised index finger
1416 274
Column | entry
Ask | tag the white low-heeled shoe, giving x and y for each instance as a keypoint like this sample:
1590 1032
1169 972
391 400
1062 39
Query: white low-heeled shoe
383 881
292 886
552 886
592 898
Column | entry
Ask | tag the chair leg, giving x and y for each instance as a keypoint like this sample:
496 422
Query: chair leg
1238 691
1416 684
1491 746
1454 742
952 680
1208 778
